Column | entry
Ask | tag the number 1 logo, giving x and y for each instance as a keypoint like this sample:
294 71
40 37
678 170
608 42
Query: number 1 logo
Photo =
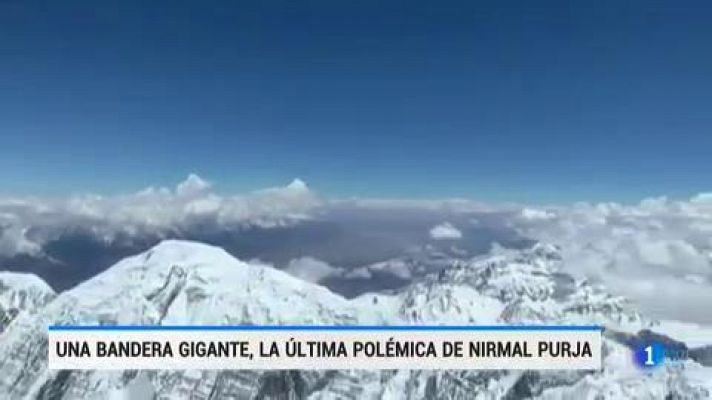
650 355
649 359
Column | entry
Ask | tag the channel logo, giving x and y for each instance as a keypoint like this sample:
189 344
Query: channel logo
650 355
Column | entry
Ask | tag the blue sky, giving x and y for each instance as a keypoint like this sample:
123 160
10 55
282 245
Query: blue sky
545 102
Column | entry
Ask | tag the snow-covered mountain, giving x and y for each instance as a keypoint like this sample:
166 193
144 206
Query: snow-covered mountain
21 292
189 283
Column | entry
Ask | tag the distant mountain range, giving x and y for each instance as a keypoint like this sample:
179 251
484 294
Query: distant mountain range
180 282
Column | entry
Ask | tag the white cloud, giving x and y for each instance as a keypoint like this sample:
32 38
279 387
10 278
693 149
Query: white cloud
534 214
396 267
445 231
310 269
702 198
647 252
193 185
359 273
27 223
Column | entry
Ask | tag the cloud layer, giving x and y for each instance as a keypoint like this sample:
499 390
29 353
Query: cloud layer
26 224
658 252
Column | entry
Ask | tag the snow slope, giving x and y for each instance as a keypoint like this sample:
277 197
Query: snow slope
180 282
21 293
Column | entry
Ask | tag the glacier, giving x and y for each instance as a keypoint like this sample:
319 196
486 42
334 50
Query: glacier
189 283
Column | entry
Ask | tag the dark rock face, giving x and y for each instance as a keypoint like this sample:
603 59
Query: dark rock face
702 355
646 336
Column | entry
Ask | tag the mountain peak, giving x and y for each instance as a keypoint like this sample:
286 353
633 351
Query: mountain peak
19 280
20 293
184 250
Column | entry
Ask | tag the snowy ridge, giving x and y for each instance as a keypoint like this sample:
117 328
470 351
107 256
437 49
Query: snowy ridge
21 292
180 282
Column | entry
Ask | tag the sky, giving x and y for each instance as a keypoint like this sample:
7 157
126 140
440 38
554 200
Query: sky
501 101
